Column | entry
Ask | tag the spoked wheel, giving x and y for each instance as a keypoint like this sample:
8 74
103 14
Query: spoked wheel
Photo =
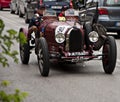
109 55
24 52
43 57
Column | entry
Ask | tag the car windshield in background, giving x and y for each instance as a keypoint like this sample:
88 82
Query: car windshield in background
71 12
49 12
112 3
58 0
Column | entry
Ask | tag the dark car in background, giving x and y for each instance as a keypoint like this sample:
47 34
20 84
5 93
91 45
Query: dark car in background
14 6
109 14
27 7
4 4
57 5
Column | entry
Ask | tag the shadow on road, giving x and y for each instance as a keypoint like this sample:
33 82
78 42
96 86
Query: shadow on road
75 69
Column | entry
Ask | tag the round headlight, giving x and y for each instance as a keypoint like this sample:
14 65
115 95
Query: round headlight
93 36
60 38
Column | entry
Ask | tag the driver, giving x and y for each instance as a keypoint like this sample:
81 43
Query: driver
35 23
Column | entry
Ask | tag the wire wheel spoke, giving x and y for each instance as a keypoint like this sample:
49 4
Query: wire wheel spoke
40 59
42 56
22 51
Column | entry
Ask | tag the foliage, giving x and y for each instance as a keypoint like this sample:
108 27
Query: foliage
22 38
6 42
17 96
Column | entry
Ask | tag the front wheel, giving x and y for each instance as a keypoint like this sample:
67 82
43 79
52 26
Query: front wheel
43 56
109 55
24 51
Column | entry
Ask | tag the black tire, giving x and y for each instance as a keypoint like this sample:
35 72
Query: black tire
12 11
24 52
109 55
20 14
26 18
43 56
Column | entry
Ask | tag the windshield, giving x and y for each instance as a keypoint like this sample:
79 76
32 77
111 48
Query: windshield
68 12
112 2
49 12
57 0
71 12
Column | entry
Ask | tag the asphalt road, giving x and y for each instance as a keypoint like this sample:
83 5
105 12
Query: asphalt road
69 83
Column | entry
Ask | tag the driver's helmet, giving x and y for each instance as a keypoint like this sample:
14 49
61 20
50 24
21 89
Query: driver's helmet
36 19
37 15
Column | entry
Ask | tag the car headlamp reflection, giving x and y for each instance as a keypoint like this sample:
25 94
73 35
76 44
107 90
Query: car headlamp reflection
93 36
60 38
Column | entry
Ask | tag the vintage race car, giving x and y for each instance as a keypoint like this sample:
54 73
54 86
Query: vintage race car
66 39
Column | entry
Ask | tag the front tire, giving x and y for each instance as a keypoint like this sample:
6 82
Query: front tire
109 55
43 56
24 51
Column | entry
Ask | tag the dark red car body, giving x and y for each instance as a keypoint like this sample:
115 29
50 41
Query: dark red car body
50 24
66 39
4 4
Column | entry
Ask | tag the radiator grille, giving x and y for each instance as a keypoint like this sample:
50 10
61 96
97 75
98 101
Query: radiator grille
75 40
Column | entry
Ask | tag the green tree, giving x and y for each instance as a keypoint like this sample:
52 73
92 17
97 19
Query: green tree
6 42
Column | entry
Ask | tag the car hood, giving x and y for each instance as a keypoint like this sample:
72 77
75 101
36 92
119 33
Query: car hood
50 3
